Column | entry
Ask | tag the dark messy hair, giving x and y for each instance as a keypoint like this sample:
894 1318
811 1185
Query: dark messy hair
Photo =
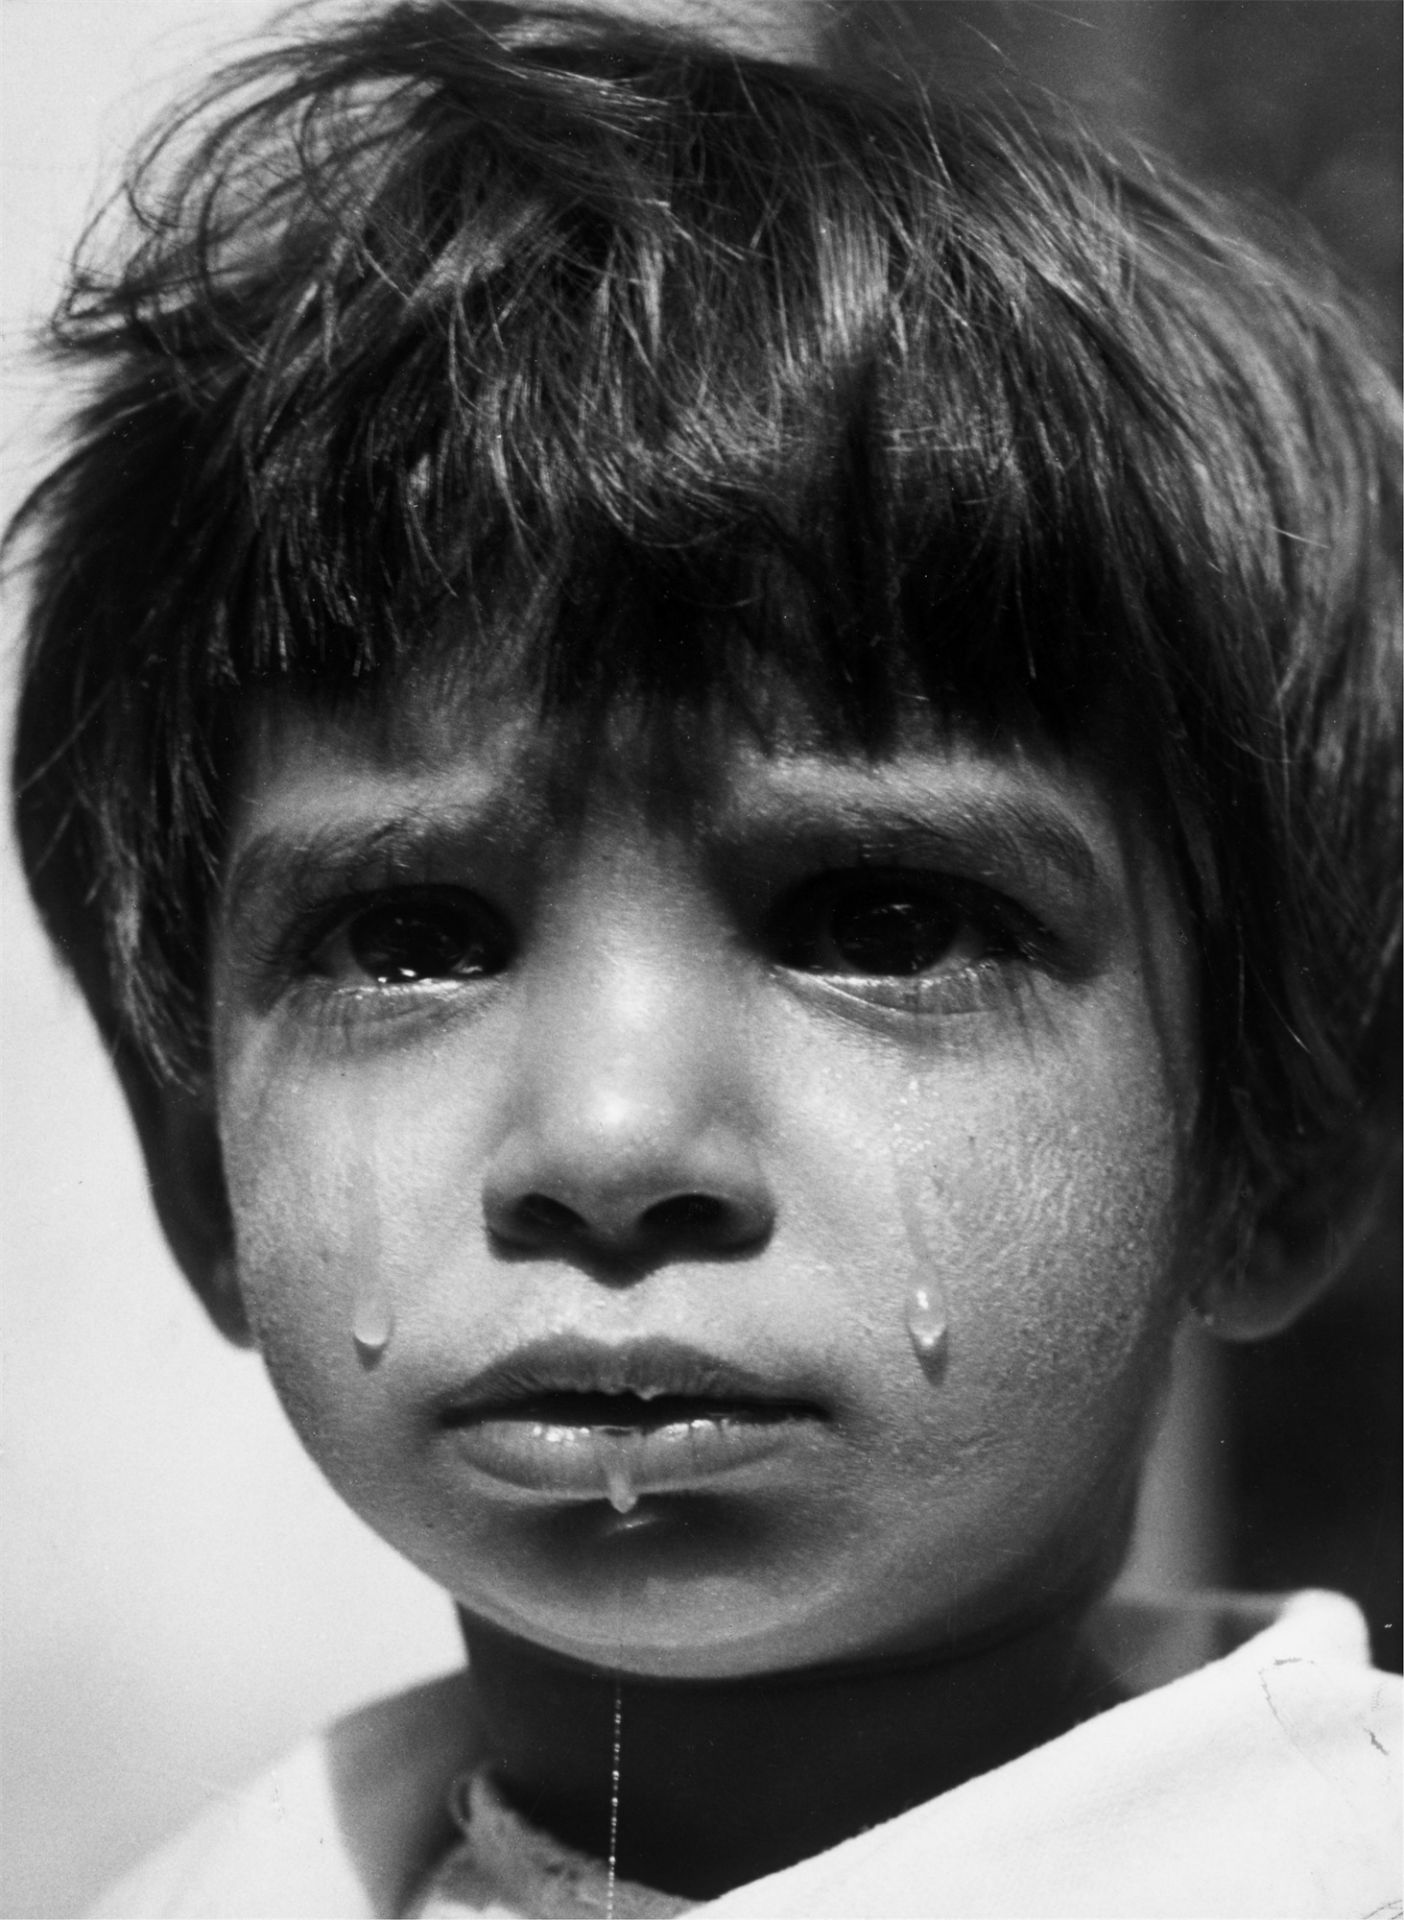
626 365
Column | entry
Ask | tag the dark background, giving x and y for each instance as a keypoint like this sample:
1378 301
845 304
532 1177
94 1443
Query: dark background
1299 100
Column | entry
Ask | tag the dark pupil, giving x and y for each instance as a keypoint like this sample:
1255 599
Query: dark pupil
400 944
897 935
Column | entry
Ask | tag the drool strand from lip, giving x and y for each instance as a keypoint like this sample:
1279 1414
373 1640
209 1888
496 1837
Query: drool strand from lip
616 1467
612 1872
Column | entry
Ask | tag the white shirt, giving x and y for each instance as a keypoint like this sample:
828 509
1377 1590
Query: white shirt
1261 1784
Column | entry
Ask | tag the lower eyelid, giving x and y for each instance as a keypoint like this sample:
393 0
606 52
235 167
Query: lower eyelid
343 1012
931 990
895 1006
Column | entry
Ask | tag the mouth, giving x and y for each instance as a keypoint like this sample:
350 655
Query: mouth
576 1420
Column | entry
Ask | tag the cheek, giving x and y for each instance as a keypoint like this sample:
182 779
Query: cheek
295 1197
1037 1196
356 1199
315 1183
1071 1252
1062 1201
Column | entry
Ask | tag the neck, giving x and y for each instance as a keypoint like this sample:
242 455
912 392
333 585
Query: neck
826 1753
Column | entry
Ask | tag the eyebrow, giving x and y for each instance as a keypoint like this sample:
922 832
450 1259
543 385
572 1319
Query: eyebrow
1012 836
279 864
1008 837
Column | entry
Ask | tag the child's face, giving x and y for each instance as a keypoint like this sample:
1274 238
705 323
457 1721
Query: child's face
686 1108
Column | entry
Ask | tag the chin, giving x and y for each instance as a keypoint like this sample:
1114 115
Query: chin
662 1614
714 1635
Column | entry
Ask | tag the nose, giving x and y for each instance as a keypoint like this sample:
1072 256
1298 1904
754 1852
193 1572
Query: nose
631 1136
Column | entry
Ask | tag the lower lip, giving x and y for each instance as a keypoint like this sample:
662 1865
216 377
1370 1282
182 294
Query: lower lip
621 1464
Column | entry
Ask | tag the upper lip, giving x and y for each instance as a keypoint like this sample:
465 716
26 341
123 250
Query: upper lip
646 1369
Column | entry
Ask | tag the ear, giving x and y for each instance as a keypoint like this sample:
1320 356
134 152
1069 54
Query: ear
1294 1256
180 1142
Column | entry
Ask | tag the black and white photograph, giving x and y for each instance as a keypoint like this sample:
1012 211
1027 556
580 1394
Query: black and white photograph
700 923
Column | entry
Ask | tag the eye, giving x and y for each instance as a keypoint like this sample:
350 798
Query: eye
892 926
405 940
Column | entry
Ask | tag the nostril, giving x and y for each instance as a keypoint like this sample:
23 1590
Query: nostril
616 1224
540 1213
688 1216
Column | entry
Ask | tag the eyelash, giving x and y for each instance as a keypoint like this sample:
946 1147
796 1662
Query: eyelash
792 935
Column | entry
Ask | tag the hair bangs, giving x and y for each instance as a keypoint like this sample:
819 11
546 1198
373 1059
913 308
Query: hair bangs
704 410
